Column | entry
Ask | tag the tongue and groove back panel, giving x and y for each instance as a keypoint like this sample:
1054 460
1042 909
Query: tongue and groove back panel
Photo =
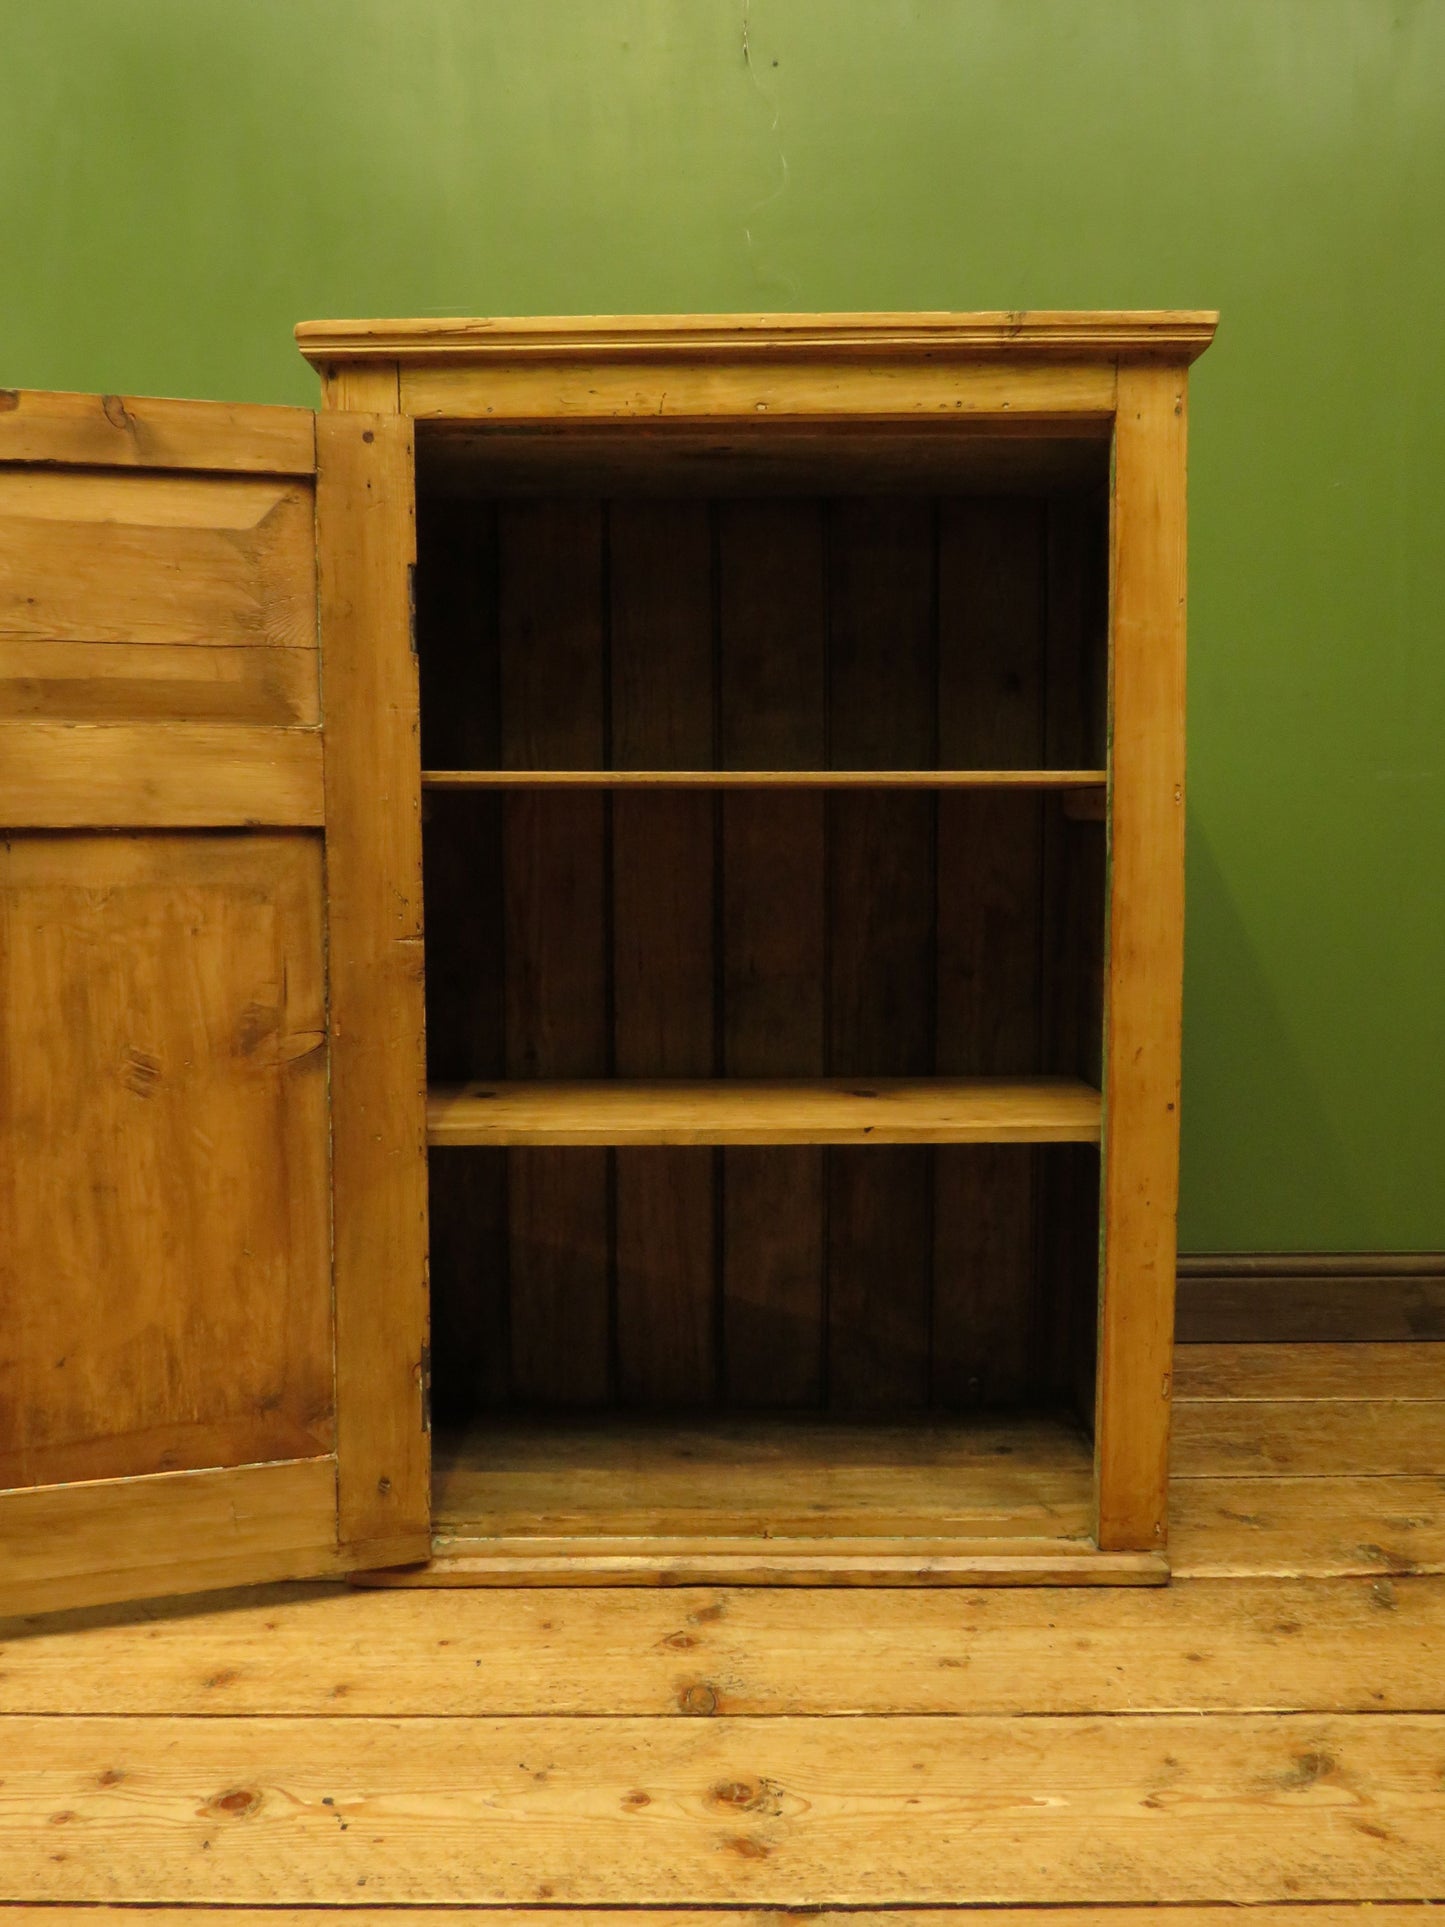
765 933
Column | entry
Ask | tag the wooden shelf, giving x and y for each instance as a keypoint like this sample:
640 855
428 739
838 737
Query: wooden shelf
762 779
816 1111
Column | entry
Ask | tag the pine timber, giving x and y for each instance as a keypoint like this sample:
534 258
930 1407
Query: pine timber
1310 1371
797 1812
1145 955
60 1545
159 775
1068 780
749 1111
193 969
1342 1914
378 1069
119 431
1178 334
1364 1644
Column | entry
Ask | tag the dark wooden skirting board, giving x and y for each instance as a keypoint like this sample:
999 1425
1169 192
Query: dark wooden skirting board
1330 1298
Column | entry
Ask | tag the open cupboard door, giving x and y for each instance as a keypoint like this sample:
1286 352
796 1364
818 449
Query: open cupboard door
212 1270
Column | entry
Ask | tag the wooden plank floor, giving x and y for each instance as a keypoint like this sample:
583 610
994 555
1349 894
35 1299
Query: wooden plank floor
1269 1730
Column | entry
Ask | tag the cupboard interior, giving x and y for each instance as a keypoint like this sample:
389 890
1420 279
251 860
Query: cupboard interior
762 1338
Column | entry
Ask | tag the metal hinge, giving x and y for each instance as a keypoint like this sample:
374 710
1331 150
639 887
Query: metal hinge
411 604
424 1377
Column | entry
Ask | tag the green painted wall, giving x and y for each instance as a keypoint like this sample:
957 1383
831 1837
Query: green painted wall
181 180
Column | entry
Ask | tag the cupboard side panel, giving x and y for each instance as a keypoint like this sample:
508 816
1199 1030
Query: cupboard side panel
366 531
1145 958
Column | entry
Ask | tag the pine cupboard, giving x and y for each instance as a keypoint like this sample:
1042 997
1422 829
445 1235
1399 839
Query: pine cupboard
591 945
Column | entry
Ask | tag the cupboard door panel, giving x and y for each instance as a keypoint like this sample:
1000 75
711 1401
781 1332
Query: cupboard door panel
166 1271
168 1356
147 597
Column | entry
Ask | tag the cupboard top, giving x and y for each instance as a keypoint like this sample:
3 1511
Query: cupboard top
1177 335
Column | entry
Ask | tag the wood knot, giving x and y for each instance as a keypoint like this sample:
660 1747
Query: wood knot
237 1803
749 1848
1307 1768
257 1023
114 410
699 1698
636 1800
749 1796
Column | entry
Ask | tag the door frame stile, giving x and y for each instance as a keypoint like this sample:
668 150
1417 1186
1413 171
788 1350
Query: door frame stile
1145 956
366 546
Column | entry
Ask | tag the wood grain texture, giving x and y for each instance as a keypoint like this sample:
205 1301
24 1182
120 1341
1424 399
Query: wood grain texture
165 1277
764 1477
365 520
998 1559
661 659
772 650
1320 1526
784 778
1344 1914
159 682
1179 334
1304 1372
560 1274
182 601
366 387
555 889
586 389
992 704
162 775
881 925
1296 1439
666 1251
119 431
1145 956
1163 1808
117 1539
96 557
837 1110
1332 1645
